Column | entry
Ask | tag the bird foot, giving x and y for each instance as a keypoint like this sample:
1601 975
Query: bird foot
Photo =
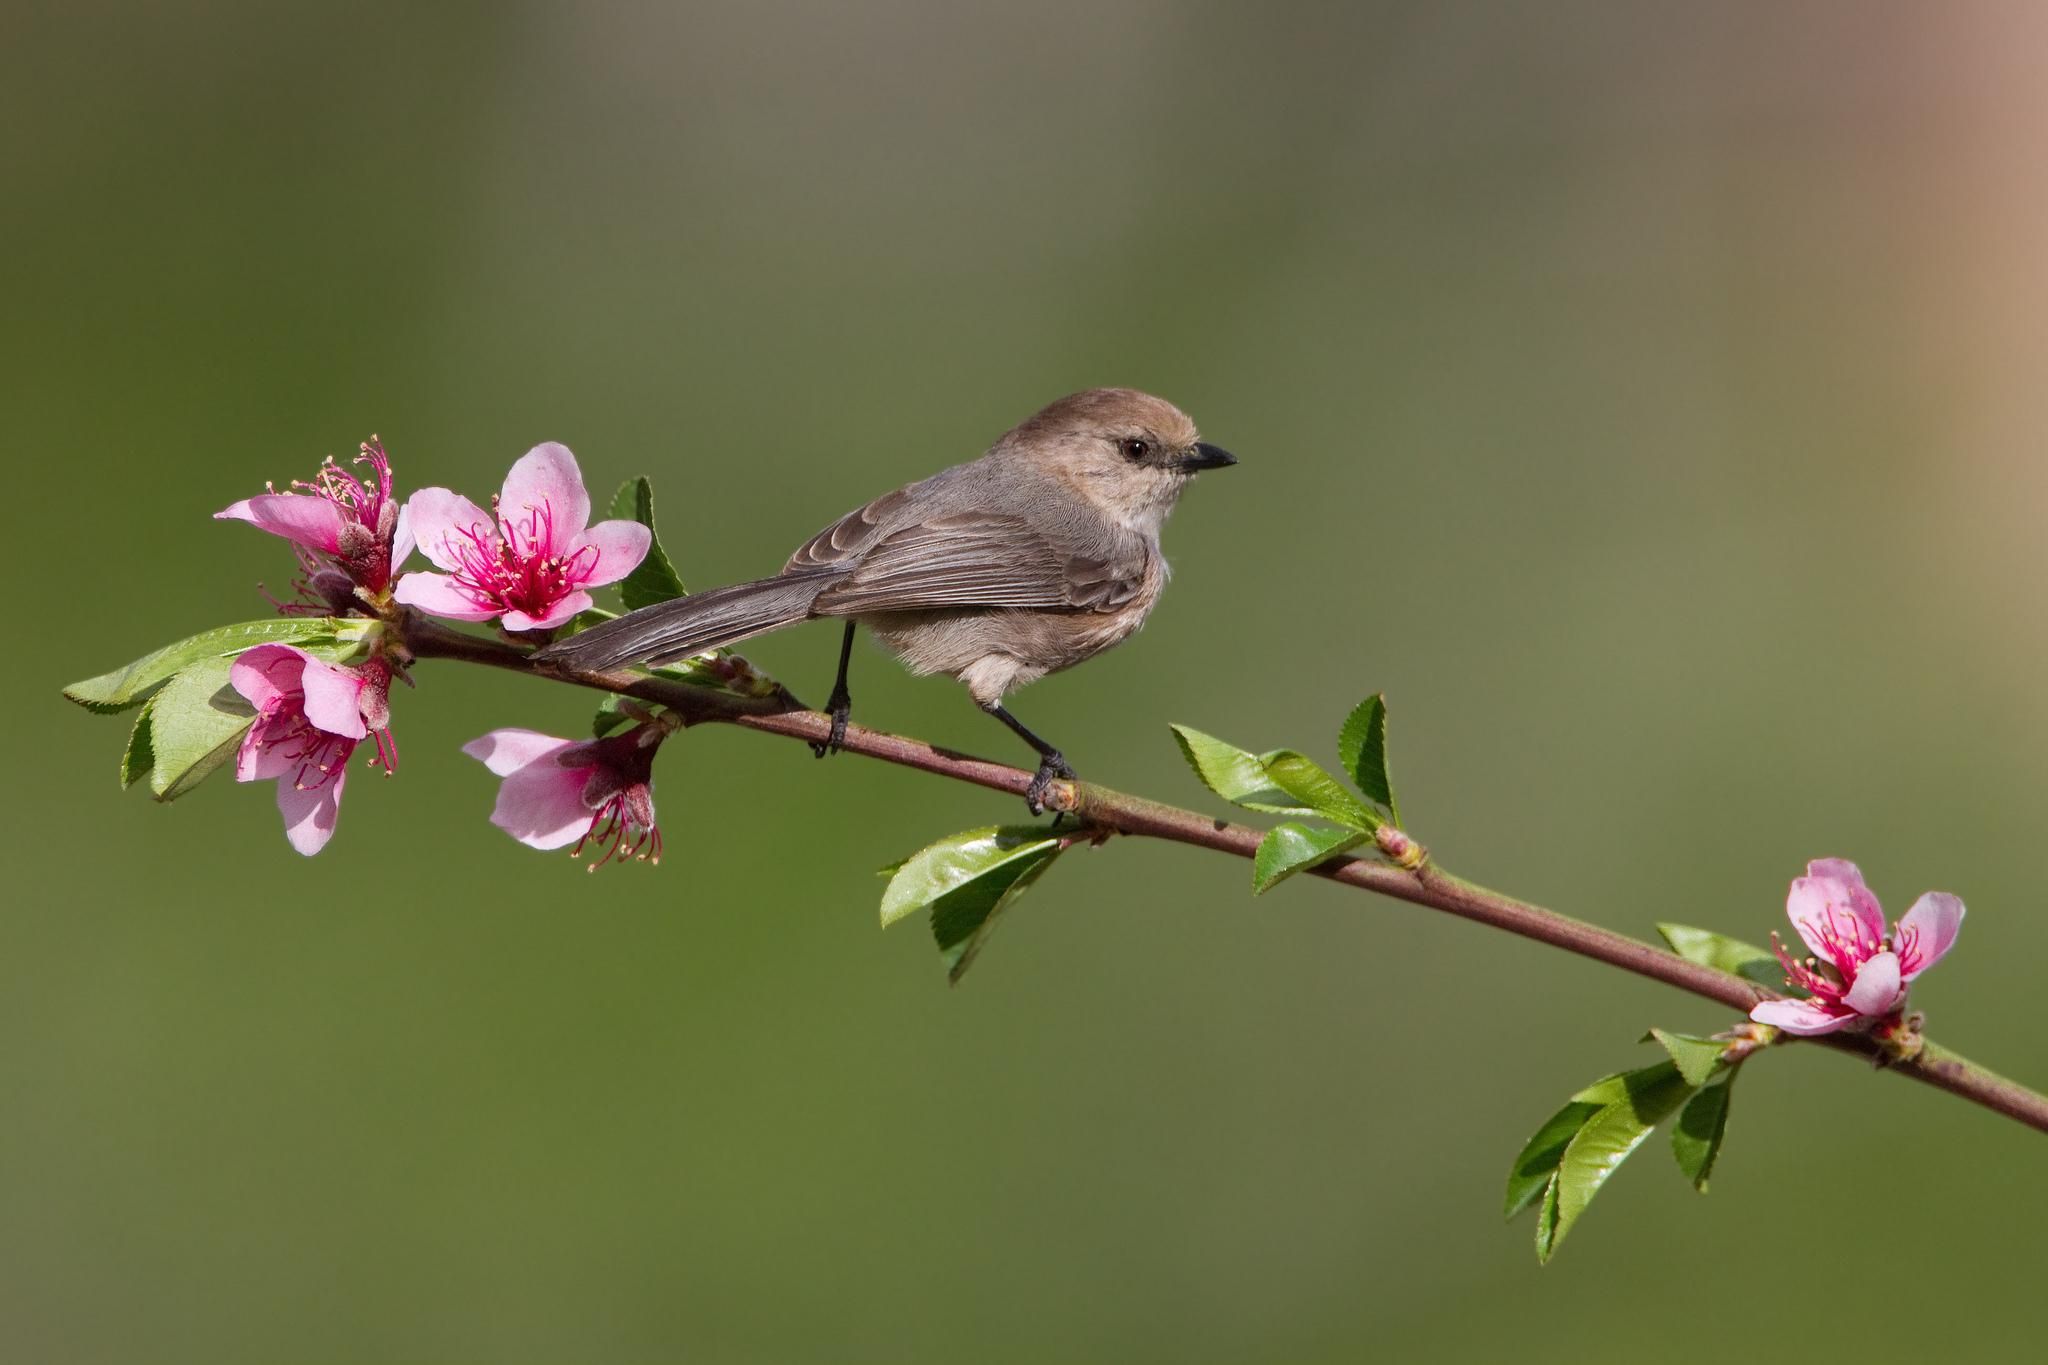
1051 768
839 706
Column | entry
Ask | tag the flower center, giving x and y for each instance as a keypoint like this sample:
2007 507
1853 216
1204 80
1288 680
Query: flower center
509 566
624 828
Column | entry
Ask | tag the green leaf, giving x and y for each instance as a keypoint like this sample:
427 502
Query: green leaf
1696 1137
966 881
1291 848
1362 748
1697 1059
139 757
1309 782
1236 775
1546 1222
195 724
125 687
1710 949
654 579
1607 1138
610 718
1536 1166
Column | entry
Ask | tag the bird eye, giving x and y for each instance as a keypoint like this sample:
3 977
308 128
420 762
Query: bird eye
1135 447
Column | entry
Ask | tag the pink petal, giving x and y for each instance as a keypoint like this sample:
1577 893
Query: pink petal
546 478
303 519
1928 931
1825 908
334 698
310 815
506 751
1876 988
617 546
445 524
1862 901
436 595
260 760
267 672
1800 1016
401 539
542 805
561 612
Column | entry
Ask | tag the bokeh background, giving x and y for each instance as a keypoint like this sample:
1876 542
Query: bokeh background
1649 398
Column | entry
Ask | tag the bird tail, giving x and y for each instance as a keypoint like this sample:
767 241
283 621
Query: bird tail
673 630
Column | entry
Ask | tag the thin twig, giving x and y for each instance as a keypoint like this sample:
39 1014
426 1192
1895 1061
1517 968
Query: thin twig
1120 813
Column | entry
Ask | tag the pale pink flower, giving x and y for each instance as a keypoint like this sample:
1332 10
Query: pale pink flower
310 715
533 562
1855 973
348 533
595 792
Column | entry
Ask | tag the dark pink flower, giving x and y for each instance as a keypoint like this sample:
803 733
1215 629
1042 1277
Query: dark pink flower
349 533
596 792
533 561
310 715
1855 973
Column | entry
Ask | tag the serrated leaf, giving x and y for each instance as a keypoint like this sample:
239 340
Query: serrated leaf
139 757
132 684
1311 784
1235 774
967 881
1710 949
654 579
1607 1138
1291 848
1536 1165
1362 748
196 723
1697 1059
1702 1124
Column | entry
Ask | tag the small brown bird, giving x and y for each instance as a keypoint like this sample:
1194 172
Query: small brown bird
1042 553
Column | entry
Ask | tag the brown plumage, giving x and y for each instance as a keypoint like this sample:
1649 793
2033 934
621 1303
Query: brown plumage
1040 554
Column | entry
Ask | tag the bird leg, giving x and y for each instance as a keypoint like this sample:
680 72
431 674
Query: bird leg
1051 763
840 704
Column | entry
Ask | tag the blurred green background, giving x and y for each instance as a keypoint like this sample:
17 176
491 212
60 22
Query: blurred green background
1647 397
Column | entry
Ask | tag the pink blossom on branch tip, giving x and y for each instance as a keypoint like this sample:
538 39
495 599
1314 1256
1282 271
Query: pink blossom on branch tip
348 532
310 715
531 560
1855 972
592 793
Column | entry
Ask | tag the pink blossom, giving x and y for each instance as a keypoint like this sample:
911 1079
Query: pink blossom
349 533
593 792
310 715
1854 973
530 564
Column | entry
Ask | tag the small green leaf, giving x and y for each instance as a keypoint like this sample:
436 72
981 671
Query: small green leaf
1309 782
654 579
1697 1059
1291 848
139 757
966 881
1710 949
1234 774
1607 1138
1696 1137
610 717
1536 1166
1546 1222
1362 748
196 722
125 687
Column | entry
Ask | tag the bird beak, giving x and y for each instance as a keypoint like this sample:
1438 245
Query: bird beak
1206 456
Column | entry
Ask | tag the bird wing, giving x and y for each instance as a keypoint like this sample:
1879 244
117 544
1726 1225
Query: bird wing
965 559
